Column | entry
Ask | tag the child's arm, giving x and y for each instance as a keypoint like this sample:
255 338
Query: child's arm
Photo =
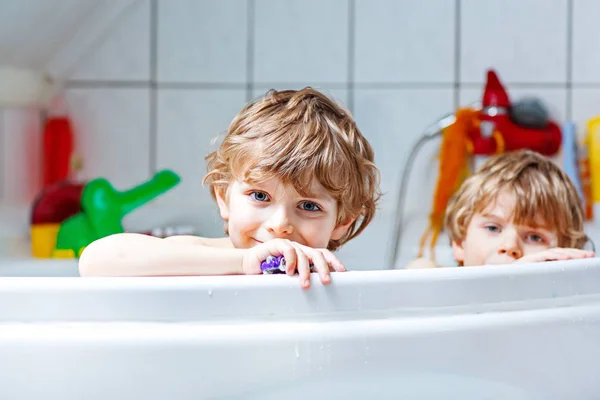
130 254
421 263
212 242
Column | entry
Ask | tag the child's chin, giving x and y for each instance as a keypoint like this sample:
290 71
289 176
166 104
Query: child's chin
239 243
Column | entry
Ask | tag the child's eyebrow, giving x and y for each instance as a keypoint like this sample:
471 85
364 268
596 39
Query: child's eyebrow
322 195
527 224
547 228
493 216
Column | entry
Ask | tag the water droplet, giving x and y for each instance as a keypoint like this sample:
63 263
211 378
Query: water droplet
235 293
360 300
209 293
297 351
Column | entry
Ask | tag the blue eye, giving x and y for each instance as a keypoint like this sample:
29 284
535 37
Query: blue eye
309 206
492 228
259 196
535 238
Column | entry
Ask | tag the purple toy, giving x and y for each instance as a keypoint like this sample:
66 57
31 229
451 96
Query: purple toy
276 265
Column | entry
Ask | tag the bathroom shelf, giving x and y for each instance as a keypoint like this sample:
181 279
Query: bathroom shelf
16 260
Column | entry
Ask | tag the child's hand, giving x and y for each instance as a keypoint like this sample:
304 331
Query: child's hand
297 258
556 254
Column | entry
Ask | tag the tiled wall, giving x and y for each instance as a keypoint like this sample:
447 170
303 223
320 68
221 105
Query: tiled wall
173 73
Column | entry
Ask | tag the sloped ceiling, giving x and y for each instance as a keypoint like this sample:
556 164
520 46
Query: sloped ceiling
42 40
33 31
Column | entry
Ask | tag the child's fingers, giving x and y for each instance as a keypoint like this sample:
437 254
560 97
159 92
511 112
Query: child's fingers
578 253
553 255
334 263
320 263
291 259
557 254
303 268
570 254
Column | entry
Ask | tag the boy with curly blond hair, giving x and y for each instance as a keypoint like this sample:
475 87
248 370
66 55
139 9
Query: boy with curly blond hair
518 207
293 177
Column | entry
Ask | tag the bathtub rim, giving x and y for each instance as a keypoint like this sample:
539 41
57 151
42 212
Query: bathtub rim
218 298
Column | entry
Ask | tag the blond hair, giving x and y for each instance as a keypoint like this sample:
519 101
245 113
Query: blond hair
544 195
298 136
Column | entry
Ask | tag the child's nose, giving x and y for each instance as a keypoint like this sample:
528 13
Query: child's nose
279 223
510 246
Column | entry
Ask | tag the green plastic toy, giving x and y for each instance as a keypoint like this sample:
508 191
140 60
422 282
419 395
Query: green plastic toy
103 209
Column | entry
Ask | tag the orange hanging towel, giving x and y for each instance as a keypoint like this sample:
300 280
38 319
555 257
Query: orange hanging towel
453 169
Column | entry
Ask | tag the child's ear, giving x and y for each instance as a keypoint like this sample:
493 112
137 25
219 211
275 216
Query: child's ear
341 229
221 195
458 251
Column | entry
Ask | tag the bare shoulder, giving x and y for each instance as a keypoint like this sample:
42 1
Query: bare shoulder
212 242
421 263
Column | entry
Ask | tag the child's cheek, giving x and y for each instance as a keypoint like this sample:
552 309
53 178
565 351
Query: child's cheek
319 232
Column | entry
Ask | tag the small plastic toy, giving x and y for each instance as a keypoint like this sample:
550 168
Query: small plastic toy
276 265
95 210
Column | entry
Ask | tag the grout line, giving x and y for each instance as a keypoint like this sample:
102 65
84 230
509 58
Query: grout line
403 85
351 50
93 84
523 85
201 85
584 85
457 52
569 67
250 51
2 154
153 98
153 41
325 85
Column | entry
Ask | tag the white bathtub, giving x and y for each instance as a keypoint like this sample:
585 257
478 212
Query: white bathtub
527 332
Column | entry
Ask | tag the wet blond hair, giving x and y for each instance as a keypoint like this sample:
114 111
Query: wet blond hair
297 136
544 195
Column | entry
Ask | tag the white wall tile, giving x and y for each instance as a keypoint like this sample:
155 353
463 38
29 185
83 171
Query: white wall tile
21 155
405 41
555 99
301 41
189 121
124 53
112 133
586 105
586 49
202 41
369 250
393 120
526 41
340 95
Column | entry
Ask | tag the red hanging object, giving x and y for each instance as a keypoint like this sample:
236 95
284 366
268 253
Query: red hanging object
57 149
